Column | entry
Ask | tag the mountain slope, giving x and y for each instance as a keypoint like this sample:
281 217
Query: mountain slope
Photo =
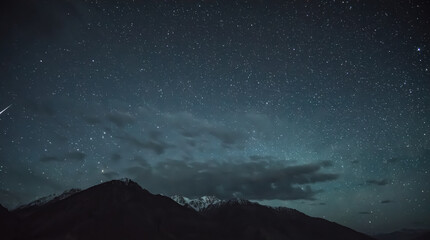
246 220
48 199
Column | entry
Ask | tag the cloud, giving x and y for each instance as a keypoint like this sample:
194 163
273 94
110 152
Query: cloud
110 175
318 204
364 213
377 182
115 157
49 159
192 127
60 138
138 171
157 147
155 135
261 158
226 136
250 180
75 156
91 119
140 160
41 107
392 160
258 121
72 156
120 119
424 154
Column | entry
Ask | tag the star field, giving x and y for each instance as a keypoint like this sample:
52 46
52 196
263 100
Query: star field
322 107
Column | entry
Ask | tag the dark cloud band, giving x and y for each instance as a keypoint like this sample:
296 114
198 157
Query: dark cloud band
250 180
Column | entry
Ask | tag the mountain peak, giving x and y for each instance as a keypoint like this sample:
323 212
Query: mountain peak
125 184
118 191
122 181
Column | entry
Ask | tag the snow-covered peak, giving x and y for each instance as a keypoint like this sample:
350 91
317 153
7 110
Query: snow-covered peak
181 199
197 204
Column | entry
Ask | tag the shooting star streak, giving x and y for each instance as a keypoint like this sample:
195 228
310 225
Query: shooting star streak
5 109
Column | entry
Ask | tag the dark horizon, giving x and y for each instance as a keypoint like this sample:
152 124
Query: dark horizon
320 107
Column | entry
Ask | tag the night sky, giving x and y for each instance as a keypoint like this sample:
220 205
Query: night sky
322 107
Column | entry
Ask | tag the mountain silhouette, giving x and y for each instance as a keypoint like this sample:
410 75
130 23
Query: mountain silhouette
121 209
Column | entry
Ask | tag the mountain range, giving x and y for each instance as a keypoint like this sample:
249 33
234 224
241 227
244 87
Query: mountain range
121 209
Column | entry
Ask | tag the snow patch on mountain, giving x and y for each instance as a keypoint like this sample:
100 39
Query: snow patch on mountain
197 204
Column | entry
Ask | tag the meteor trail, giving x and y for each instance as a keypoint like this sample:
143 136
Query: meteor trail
5 109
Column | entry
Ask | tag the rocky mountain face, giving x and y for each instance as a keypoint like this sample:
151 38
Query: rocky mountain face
123 210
